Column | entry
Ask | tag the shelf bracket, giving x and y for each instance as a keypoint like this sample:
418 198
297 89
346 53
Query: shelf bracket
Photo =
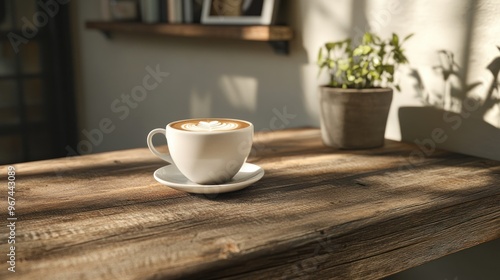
106 34
280 47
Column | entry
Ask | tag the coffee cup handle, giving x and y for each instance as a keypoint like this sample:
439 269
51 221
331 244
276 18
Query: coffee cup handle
152 148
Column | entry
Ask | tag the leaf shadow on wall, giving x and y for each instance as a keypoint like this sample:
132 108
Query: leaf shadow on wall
454 118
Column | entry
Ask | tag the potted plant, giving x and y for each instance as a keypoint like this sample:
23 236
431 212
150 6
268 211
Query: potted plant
355 103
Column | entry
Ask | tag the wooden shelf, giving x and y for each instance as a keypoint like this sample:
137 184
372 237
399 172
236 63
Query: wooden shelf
277 35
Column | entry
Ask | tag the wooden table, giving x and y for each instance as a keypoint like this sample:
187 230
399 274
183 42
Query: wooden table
318 212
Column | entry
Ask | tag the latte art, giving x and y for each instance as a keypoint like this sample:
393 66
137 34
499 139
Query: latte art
209 126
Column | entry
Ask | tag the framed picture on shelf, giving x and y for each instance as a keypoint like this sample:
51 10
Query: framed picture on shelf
245 12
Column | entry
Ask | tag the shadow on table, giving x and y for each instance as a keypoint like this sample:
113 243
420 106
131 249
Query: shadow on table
441 174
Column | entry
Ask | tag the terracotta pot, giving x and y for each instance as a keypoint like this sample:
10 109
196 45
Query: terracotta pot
354 118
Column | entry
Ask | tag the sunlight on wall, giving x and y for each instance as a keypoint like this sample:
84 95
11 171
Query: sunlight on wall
320 21
200 104
484 59
446 31
315 23
247 80
381 14
310 82
240 91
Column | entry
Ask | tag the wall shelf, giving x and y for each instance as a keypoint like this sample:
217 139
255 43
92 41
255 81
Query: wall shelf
277 36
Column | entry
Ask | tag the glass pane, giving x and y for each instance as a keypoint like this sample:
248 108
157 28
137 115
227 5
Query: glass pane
30 57
10 149
8 90
8 102
33 99
25 10
40 145
33 94
7 59
5 15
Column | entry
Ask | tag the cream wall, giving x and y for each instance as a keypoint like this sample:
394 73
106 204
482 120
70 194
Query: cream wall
228 78
225 78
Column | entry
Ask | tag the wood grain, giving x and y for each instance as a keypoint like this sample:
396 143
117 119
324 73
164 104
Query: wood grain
318 213
240 32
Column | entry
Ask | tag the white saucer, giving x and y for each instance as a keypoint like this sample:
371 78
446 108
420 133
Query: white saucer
171 176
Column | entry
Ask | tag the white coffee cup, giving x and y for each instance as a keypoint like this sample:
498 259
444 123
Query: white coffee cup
206 151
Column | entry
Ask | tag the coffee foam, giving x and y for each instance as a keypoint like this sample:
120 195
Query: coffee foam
210 126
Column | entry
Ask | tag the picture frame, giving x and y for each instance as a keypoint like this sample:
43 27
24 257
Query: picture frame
244 12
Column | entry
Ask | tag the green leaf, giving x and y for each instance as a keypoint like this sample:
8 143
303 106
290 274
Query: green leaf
343 65
330 46
374 74
362 50
389 69
399 57
408 37
358 51
397 87
382 51
367 38
321 63
395 40
367 49
370 63
320 55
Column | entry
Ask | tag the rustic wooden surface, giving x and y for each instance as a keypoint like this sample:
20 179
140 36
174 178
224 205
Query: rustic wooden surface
240 32
318 213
